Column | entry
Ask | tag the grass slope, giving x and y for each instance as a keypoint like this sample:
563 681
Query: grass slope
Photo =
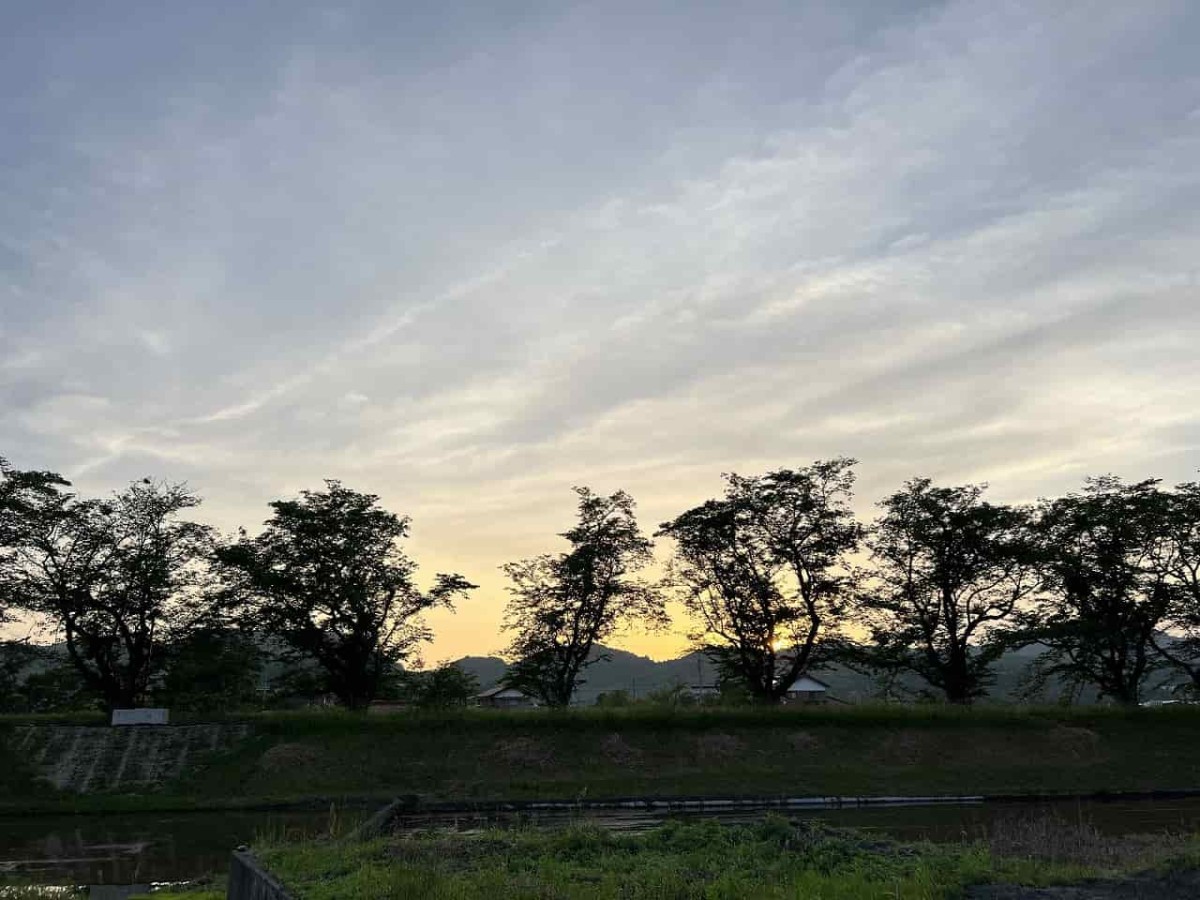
478 756
722 752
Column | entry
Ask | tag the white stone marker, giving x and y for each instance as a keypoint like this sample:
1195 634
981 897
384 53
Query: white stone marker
139 717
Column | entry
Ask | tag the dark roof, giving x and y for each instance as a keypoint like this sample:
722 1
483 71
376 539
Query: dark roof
802 676
499 689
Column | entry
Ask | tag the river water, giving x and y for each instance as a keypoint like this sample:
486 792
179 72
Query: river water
144 848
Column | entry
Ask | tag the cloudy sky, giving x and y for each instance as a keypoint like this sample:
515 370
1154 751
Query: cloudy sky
466 256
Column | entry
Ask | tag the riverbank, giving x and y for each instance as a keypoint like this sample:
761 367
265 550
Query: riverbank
1011 855
480 757
773 858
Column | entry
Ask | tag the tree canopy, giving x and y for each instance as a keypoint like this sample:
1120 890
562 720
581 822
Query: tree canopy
119 580
1108 593
327 578
562 605
130 601
949 574
443 687
1180 560
765 568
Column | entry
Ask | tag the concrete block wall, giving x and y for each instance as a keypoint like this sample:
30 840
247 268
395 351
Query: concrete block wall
248 880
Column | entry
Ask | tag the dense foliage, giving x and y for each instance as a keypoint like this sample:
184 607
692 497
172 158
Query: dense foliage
119 580
1180 557
949 573
563 605
778 576
764 570
443 687
327 578
1108 591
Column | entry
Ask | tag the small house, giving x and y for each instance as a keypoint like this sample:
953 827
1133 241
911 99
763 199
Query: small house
807 689
505 697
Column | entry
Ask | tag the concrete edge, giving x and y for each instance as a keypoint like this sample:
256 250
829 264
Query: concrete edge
250 880
414 805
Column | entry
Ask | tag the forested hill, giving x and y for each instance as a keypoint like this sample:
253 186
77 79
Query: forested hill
640 675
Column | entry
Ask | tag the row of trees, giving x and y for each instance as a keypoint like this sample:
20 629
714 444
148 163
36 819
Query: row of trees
135 591
783 579
778 575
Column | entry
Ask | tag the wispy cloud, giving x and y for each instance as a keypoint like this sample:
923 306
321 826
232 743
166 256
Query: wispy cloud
467 262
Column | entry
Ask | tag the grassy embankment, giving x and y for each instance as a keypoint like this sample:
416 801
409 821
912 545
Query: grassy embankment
594 754
776 858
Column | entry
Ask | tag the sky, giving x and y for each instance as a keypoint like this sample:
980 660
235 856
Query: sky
466 256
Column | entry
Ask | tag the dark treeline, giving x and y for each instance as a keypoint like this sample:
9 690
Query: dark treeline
778 576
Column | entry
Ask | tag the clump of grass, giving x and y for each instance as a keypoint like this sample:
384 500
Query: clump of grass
39 892
1057 840
774 858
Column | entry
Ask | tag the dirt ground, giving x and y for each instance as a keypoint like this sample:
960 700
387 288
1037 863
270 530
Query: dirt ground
1184 885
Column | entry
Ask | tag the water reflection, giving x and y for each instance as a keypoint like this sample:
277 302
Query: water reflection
939 823
111 851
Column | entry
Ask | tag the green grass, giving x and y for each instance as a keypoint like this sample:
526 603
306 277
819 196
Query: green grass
315 758
711 752
647 715
775 858
41 892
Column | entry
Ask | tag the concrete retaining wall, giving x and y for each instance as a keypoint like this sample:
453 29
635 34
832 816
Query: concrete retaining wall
83 759
248 880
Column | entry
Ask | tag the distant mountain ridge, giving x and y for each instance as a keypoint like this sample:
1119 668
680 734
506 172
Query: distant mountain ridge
640 675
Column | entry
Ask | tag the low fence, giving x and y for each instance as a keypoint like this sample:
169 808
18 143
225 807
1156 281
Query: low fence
248 880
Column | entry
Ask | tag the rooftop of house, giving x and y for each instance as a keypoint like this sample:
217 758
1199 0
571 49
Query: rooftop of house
501 690
806 683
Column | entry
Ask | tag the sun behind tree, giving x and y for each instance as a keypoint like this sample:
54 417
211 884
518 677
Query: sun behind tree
328 579
562 606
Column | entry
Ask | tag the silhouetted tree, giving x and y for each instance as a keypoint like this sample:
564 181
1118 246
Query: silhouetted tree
36 678
562 606
213 669
22 495
950 572
299 685
119 579
17 660
444 687
764 569
1107 590
1179 558
327 578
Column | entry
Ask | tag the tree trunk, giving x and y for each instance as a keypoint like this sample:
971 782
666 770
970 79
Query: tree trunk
958 687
